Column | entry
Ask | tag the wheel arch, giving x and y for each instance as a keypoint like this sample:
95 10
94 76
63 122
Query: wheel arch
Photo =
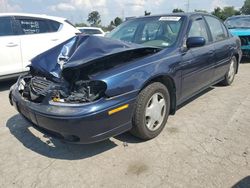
170 85
237 56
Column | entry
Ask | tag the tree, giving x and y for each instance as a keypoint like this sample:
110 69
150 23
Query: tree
94 18
246 7
217 12
225 12
117 21
146 13
111 26
230 11
177 10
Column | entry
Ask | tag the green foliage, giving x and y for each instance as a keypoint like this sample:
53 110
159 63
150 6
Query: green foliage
94 18
114 23
225 12
246 7
177 10
117 21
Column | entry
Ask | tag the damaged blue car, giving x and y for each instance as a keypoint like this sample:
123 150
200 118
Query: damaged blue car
240 26
92 88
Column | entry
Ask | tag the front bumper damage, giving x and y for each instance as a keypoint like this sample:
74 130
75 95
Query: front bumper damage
78 123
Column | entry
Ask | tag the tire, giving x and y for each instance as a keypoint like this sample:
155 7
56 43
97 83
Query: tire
229 78
147 122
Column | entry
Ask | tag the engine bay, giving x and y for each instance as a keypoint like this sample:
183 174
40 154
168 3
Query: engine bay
39 89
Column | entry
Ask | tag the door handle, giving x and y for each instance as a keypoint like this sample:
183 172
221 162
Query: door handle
54 39
11 44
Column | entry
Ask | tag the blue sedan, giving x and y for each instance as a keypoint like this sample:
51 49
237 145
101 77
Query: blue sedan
91 88
240 26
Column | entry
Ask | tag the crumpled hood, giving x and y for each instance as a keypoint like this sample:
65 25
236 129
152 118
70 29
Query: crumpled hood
240 32
79 51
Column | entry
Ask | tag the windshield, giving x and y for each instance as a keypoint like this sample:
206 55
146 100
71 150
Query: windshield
152 31
238 22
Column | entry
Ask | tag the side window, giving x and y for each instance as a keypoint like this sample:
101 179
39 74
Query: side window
216 28
33 26
54 25
6 27
198 29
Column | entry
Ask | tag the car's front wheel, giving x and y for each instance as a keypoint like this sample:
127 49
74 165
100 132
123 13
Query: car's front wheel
229 78
151 111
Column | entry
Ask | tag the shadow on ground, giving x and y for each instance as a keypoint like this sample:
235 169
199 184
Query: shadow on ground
197 96
244 183
53 148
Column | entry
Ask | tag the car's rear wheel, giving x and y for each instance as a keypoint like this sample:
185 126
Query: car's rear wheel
229 78
151 111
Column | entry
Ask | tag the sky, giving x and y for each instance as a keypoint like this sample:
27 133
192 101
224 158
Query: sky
77 10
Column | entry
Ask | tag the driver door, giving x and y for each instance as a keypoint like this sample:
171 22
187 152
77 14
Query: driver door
197 63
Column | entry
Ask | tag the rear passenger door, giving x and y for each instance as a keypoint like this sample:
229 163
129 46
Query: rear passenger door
10 52
197 63
37 35
221 45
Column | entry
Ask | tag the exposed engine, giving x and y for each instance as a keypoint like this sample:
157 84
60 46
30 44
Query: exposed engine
37 89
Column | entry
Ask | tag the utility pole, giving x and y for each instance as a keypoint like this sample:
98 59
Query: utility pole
187 5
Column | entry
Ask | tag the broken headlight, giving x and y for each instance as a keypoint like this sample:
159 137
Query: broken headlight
83 91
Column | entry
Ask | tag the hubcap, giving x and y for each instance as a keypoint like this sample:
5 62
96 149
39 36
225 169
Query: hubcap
155 111
231 71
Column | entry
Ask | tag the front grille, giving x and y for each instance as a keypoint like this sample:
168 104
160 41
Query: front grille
245 40
40 86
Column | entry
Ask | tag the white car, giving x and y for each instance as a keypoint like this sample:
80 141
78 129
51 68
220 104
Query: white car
24 36
96 31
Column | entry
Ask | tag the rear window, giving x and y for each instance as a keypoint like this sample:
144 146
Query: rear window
33 26
6 28
54 26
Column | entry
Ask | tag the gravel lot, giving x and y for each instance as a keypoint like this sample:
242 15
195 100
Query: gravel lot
206 144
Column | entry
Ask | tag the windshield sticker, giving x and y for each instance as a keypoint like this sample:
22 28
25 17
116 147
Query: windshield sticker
165 44
170 18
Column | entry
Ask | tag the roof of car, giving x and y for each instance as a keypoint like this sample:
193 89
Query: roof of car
238 16
89 28
33 15
175 14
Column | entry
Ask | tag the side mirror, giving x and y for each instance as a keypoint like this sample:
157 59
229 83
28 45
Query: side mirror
193 42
